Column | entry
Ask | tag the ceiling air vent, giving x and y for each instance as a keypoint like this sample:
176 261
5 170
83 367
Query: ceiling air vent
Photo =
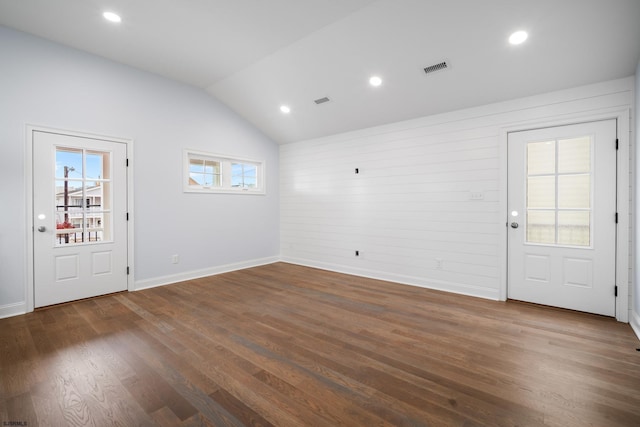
436 67
321 100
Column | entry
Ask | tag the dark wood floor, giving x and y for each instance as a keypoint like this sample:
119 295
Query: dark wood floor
286 345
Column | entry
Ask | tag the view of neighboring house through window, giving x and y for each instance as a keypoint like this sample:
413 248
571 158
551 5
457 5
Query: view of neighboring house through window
204 173
212 173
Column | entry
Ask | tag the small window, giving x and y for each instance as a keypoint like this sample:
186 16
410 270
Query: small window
212 173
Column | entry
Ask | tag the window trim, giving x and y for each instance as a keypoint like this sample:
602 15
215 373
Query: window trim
225 172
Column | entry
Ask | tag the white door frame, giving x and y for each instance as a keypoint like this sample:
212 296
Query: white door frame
30 129
622 232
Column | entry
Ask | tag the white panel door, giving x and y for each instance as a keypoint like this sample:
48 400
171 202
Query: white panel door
79 217
562 210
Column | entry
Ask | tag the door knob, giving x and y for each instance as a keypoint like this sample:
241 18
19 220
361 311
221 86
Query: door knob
42 228
514 225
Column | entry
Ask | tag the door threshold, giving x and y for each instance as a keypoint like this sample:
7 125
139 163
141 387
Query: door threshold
46 307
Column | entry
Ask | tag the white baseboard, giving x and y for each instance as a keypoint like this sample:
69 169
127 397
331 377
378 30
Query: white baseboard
196 274
15 309
458 288
635 323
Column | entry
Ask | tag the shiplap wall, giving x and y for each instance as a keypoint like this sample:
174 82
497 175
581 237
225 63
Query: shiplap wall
412 210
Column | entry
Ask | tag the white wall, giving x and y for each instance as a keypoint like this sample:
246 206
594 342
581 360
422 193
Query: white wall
42 83
411 202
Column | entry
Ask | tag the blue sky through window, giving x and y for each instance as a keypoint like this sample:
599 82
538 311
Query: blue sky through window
243 175
72 158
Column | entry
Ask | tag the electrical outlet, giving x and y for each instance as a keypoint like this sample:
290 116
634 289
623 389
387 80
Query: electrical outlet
175 259
438 263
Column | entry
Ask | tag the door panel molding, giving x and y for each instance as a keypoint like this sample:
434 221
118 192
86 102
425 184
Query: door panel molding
623 117
29 192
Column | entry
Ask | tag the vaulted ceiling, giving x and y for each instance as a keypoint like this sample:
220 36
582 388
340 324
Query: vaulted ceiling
256 55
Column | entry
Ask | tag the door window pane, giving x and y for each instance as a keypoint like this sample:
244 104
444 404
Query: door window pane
541 226
541 157
574 155
97 165
574 228
574 191
541 192
94 197
99 227
69 230
69 163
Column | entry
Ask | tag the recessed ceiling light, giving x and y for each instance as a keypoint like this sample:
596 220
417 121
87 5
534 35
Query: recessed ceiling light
285 109
375 81
518 37
112 17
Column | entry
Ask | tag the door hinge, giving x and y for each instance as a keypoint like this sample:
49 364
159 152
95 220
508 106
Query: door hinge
617 143
615 290
128 217
127 270
126 162
616 217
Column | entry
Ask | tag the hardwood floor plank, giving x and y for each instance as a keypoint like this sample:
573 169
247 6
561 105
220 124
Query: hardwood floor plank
165 417
151 390
17 353
187 390
45 403
74 409
20 410
80 366
238 409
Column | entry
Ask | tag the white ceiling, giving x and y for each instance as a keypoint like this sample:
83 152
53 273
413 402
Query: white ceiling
255 55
